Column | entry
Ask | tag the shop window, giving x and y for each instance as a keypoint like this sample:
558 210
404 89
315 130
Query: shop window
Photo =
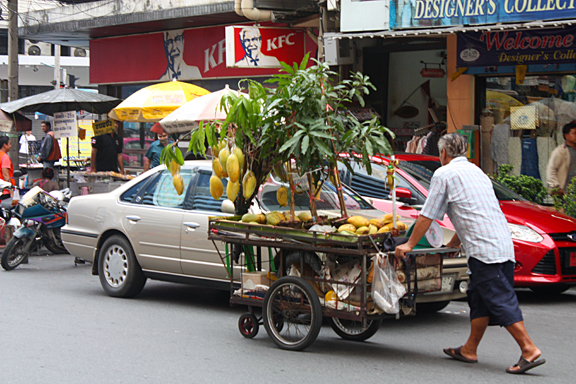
137 138
528 120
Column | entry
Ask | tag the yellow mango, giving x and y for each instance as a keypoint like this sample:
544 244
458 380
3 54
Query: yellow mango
401 226
273 218
282 196
232 190
384 230
223 156
362 231
389 217
233 168
216 187
249 217
178 183
372 229
217 167
260 218
377 223
240 156
347 227
358 221
174 168
248 184
305 216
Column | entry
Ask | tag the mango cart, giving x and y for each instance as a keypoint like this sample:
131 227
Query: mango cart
296 277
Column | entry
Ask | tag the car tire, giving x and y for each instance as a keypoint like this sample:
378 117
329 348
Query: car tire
550 289
431 307
119 272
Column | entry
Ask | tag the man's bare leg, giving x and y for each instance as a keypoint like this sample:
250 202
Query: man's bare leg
529 350
477 328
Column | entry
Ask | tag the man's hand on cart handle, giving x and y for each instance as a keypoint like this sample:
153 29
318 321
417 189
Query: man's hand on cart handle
420 228
454 243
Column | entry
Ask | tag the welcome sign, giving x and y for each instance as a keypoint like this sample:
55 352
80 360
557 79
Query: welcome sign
440 13
490 48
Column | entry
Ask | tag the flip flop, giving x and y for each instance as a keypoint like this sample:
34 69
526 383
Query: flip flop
456 353
525 365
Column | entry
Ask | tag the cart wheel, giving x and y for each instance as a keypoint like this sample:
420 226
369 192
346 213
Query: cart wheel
292 313
352 330
248 325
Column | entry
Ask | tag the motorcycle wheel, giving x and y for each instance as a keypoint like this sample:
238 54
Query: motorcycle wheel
55 247
13 254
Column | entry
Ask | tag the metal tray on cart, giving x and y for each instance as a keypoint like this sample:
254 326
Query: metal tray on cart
292 309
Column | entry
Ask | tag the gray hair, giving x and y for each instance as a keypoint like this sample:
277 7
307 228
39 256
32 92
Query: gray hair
454 143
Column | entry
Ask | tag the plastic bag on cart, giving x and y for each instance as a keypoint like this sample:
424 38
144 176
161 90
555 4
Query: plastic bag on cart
386 288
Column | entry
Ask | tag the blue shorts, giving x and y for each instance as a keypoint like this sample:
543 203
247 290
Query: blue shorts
491 293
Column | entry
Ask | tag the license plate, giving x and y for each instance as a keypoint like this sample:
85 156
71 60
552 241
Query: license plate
447 283
573 259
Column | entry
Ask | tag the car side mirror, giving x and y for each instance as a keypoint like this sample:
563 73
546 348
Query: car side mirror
404 195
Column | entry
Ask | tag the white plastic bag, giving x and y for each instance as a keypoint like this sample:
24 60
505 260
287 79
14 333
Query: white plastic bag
386 288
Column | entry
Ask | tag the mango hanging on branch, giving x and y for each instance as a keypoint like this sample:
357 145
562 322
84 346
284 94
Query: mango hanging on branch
248 184
216 187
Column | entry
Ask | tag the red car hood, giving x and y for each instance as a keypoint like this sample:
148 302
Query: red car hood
548 220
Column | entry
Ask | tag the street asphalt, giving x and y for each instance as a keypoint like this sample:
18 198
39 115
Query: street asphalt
58 326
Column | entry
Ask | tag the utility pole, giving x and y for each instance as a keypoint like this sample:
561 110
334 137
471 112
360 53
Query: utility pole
13 72
57 74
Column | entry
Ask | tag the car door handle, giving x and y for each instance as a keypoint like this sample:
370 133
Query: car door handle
192 224
133 218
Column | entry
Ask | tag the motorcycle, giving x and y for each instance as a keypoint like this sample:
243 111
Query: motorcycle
42 215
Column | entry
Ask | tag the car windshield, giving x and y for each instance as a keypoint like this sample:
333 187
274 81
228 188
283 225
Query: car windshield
328 199
422 172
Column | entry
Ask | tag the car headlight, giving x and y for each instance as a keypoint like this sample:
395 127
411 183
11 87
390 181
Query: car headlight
522 232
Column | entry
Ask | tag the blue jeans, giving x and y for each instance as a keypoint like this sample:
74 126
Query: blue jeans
48 164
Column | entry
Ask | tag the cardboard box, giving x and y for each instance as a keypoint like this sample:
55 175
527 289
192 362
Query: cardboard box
251 279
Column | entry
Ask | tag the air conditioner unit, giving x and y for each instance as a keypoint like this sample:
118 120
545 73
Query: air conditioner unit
79 52
339 51
37 48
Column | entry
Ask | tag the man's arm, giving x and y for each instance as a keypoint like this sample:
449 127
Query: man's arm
552 170
121 163
147 163
6 174
420 228
93 159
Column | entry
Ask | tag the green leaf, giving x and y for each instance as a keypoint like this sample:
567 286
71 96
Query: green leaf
305 143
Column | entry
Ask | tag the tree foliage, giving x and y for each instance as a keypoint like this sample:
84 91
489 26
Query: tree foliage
528 187
302 120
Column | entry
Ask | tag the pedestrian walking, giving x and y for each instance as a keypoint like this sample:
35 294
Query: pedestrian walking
562 164
463 191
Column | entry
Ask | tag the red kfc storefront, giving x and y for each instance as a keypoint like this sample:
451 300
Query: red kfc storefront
209 57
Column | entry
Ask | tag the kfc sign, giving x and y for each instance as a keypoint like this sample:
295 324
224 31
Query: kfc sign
193 54
260 47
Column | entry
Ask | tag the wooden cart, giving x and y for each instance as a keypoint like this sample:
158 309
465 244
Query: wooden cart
297 265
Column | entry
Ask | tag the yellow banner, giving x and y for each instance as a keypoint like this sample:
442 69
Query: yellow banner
103 127
79 149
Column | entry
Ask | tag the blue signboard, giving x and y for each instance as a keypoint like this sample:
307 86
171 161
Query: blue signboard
505 48
440 13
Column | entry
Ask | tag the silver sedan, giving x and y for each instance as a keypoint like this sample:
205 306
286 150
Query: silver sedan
144 229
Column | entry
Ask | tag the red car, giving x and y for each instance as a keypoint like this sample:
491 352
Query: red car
544 239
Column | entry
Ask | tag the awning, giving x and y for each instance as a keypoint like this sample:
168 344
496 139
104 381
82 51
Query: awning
444 31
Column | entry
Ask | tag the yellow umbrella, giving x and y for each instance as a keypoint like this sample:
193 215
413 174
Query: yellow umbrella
153 103
501 100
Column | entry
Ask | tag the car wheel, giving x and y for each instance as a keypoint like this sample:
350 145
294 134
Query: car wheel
119 271
550 289
431 307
